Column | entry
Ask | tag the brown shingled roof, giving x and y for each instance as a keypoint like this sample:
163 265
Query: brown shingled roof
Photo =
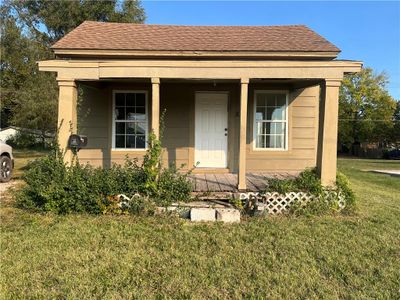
125 36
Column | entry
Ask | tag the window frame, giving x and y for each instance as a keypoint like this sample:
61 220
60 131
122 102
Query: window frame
113 147
284 92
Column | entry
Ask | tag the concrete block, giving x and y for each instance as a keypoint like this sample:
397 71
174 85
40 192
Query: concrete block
202 214
228 215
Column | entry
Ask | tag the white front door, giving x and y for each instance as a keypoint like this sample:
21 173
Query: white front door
211 125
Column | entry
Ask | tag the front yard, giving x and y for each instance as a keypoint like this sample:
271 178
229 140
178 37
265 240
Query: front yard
82 256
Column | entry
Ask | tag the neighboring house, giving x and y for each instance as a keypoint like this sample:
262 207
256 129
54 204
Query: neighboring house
8 132
237 98
13 131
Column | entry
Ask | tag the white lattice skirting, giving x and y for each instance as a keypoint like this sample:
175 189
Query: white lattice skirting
275 203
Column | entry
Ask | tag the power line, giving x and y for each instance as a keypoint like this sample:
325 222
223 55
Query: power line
366 120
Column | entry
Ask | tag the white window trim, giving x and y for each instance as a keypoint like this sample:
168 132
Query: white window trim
256 92
113 148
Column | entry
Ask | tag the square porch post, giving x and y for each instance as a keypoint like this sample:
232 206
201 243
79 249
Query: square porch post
328 132
244 87
67 115
155 106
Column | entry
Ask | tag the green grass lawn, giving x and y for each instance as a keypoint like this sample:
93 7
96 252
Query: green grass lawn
80 256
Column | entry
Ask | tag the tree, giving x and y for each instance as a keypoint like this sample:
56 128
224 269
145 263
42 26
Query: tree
396 126
50 20
28 29
365 109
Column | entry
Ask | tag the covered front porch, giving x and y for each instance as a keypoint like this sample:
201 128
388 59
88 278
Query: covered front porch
310 124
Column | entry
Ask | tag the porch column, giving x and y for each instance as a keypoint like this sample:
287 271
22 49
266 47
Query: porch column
155 106
244 83
67 115
328 132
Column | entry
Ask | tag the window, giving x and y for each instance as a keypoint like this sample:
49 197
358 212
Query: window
270 120
130 120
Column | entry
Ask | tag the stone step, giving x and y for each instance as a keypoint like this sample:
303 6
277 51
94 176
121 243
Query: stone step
203 214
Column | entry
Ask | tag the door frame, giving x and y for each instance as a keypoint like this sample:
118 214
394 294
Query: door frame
227 124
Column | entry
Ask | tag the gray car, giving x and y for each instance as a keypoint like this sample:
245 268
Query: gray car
6 162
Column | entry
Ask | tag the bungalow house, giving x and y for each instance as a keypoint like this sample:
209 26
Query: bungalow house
237 98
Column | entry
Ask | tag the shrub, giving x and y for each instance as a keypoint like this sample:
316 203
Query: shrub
54 186
343 185
309 182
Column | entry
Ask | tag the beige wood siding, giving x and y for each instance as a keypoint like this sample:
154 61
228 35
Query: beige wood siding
302 134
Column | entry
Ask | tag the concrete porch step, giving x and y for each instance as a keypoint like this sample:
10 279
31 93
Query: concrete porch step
205 211
226 215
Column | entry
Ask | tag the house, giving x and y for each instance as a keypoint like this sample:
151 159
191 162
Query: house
13 131
8 132
237 98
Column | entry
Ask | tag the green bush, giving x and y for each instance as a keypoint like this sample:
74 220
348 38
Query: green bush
53 186
309 182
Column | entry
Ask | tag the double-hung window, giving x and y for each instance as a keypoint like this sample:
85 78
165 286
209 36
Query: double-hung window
130 120
270 120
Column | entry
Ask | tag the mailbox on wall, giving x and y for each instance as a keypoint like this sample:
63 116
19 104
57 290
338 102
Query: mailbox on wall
77 142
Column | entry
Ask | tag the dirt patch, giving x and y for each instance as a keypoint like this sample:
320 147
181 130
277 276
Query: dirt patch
4 186
5 191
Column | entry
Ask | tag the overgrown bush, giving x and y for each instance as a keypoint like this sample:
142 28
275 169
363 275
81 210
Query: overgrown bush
53 186
309 182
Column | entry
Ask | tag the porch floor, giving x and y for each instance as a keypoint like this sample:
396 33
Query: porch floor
227 182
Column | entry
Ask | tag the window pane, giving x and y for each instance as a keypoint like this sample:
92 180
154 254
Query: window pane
120 99
120 113
130 128
140 113
270 100
279 128
260 141
120 141
130 141
275 141
130 113
280 100
140 99
130 99
268 141
259 128
264 127
120 128
261 99
140 142
279 141
269 113
260 113
140 128
275 113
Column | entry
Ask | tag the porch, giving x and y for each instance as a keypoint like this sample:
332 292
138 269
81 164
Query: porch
309 120
227 182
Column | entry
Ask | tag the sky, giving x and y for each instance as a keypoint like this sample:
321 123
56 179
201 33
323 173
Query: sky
366 31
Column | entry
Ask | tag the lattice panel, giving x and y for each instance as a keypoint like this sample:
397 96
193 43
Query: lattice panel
275 203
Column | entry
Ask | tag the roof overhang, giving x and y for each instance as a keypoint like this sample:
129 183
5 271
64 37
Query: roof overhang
202 69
